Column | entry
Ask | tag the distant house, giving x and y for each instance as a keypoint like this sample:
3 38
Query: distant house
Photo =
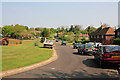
60 33
102 33
117 33
83 35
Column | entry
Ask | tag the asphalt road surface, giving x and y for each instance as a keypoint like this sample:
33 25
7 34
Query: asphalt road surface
69 64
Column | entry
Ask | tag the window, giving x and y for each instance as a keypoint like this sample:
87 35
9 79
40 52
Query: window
102 36
97 36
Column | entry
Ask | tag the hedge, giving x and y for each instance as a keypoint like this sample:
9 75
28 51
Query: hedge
116 41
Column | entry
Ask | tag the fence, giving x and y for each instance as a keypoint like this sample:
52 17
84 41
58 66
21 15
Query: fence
14 42
6 41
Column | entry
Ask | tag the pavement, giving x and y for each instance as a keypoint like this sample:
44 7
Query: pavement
69 64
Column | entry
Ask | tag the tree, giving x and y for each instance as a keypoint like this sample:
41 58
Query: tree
26 27
8 30
39 29
71 28
77 28
62 29
53 30
18 29
58 29
89 29
45 33
77 32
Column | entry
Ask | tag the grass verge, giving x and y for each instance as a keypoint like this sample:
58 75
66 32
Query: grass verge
16 56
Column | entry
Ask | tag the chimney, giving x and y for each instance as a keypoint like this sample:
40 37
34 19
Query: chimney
103 26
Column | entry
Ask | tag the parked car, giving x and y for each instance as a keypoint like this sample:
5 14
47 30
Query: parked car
86 49
64 42
48 43
56 40
97 44
76 45
108 54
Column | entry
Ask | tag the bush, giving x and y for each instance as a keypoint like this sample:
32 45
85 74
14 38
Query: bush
116 41
78 41
37 43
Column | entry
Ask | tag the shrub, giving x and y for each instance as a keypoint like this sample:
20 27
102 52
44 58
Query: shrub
116 41
37 43
78 41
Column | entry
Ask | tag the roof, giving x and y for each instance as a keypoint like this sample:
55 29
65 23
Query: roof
107 30
84 35
118 29
110 45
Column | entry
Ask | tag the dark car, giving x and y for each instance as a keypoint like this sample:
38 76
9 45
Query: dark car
108 54
56 40
76 45
64 42
86 49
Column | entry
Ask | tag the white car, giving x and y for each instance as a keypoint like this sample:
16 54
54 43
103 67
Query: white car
48 43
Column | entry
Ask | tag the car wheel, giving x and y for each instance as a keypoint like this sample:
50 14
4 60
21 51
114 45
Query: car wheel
101 64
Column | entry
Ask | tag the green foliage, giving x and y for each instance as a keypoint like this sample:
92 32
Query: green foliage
53 30
37 43
50 38
39 29
45 33
89 29
77 32
78 41
116 41
33 33
18 29
8 30
26 27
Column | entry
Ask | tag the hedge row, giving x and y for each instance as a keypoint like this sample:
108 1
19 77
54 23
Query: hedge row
116 41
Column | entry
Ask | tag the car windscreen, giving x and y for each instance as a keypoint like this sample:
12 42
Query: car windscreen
77 43
112 48
89 46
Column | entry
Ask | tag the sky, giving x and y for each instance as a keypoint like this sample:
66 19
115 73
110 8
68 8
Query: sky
57 14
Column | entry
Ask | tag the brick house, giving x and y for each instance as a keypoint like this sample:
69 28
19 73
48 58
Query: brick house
60 33
102 33
117 33
83 35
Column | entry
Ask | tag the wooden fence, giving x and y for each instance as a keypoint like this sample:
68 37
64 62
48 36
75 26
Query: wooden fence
10 42
14 42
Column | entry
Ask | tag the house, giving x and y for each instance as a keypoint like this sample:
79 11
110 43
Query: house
102 33
117 33
83 35
60 33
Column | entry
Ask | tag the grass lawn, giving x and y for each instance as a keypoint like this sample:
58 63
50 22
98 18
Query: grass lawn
16 56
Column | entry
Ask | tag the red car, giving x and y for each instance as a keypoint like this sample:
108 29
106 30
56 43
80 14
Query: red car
108 54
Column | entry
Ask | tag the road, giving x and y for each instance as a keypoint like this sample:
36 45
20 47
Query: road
69 65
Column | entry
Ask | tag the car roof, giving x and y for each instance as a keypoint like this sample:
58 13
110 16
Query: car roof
110 45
